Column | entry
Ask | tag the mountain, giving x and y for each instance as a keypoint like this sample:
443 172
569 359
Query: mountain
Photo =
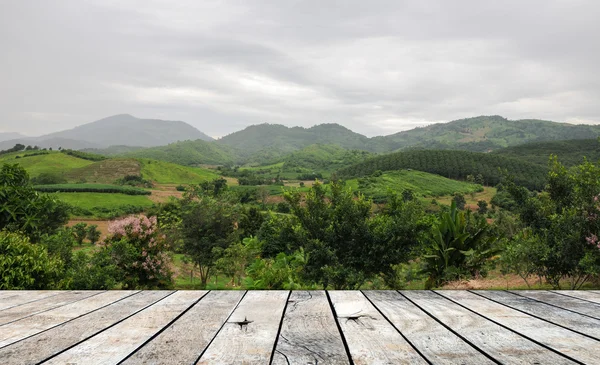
570 152
275 140
483 134
189 153
7 136
54 142
125 129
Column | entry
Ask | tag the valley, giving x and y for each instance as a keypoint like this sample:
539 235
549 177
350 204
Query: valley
263 186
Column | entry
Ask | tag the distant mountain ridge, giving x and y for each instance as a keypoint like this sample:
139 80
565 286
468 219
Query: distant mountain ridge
122 129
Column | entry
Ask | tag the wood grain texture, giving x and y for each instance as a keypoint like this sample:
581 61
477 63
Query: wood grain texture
501 344
29 326
370 337
254 342
37 348
562 340
185 339
438 344
55 301
15 298
574 321
116 343
562 301
581 294
309 334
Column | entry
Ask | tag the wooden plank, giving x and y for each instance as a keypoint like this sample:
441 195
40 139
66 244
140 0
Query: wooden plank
42 346
574 321
438 344
29 309
116 343
29 326
370 337
15 298
562 301
568 343
184 340
503 345
253 342
581 294
309 334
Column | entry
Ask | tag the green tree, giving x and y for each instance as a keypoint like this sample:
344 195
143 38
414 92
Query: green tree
80 232
207 224
27 266
23 209
482 207
459 245
93 234
459 200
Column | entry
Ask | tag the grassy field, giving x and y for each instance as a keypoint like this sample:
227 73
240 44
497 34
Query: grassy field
54 162
169 173
107 201
423 184
92 188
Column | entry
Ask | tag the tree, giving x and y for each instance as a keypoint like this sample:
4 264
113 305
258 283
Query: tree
459 200
27 266
207 224
458 245
92 234
23 209
565 216
80 232
482 207
139 252
235 258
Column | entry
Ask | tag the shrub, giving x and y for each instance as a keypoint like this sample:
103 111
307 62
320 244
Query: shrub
80 232
92 234
26 266
48 178
139 252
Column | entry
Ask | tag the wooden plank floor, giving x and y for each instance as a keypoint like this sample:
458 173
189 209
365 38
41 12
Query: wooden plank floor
300 327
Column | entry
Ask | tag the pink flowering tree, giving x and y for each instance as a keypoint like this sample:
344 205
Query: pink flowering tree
140 252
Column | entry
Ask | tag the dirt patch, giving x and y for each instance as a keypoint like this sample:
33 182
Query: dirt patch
102 225
162 192
510 281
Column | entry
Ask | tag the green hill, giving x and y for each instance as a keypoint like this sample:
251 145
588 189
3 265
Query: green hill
454 165
569 153
423 184
484 133
189 153
107 171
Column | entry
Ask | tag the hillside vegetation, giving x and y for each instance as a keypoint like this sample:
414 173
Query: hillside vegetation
453 165
485 133
422 184
570 153
189 153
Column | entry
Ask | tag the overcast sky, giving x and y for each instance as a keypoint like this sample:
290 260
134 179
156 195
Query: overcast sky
376 67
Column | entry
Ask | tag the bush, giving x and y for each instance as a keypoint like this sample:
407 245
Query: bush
27 266
48 178
91 188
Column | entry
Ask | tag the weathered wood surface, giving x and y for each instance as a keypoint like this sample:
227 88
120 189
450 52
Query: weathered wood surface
563 341
33 307
588 295
573 321
44 345
299 327
184 340
15 298
370 337
562 301
116 343
501 344
249 335
438 344
309 334
29 326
